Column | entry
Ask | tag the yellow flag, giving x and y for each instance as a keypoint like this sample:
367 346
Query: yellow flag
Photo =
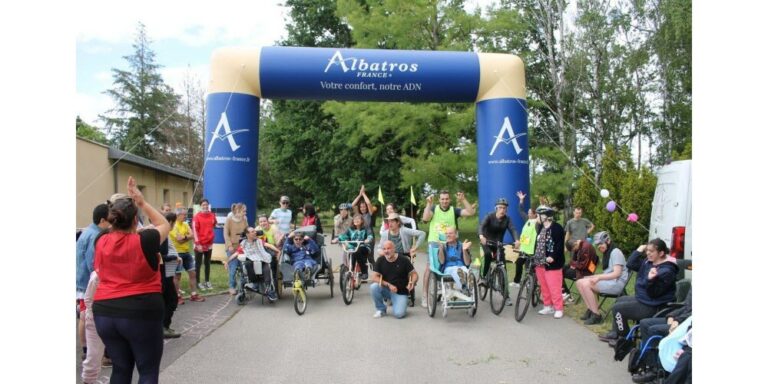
381 197
413 199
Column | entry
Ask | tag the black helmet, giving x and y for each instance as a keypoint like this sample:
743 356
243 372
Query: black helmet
502 201
545 210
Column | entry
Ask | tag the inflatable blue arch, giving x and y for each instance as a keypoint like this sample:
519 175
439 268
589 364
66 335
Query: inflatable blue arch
240 77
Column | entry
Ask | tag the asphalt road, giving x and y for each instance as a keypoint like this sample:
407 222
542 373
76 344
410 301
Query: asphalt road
337 343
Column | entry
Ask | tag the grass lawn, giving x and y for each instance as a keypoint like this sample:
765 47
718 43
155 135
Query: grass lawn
219 278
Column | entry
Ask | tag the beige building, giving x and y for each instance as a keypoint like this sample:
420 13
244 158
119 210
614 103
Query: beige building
103 171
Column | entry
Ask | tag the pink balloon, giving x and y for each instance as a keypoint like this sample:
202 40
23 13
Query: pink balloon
632 217
611 206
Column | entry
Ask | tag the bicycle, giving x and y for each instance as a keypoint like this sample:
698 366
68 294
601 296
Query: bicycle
529 290
349 280
496 279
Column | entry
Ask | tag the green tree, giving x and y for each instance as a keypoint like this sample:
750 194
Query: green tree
143 102
87 131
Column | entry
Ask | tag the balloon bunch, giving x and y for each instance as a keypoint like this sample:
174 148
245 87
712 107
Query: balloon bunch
611 206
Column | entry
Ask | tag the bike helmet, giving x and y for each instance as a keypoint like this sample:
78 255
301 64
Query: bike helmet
601 238
345 206
502 201
545 210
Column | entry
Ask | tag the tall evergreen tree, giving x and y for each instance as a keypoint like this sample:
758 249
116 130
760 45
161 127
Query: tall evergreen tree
143 102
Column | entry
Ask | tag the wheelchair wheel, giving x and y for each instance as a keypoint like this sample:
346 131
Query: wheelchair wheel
498 284
329 272
347 285
524 296
472 285
279 285
432 294
240 298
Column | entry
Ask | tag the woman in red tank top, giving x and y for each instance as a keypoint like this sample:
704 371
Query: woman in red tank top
128 303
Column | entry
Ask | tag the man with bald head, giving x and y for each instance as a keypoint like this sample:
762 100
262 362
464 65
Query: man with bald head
393 278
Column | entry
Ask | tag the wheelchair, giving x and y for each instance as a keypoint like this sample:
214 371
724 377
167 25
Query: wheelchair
439 285
289 278
245 288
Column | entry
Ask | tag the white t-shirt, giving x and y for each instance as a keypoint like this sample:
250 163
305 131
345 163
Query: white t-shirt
283 218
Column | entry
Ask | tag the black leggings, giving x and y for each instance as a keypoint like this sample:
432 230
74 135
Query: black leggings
199 258
361 256
488 256
628 308
170 300
519 263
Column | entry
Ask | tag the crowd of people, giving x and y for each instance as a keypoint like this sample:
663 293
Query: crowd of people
128 274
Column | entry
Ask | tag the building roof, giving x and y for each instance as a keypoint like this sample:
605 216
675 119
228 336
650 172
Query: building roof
116 154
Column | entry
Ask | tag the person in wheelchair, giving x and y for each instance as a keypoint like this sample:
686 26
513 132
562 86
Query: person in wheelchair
303 254
454 258
654 288
258 261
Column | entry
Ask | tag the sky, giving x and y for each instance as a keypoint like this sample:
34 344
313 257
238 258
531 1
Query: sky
183 38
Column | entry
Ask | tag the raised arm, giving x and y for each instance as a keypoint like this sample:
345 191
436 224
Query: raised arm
155 217
468 209
428 210
520 209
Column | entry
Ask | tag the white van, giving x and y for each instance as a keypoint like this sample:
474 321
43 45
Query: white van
671 210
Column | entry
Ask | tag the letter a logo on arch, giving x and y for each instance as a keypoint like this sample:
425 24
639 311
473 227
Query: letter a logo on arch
228 133
512 137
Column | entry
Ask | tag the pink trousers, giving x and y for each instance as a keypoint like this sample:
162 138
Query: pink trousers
92 362
551 283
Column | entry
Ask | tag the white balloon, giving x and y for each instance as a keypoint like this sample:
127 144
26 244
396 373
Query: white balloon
604 193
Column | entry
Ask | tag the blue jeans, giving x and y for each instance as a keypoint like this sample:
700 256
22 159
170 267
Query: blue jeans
399 302
232 267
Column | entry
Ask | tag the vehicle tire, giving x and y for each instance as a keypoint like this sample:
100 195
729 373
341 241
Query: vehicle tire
431 294
240 298
524 296
347 286
497 283
300 302
473 293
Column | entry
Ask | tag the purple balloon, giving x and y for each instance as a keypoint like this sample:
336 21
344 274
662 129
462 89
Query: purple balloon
611 206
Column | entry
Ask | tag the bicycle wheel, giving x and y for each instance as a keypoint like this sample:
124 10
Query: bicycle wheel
536 297
300 302
484 287
279 284
473 293
497 283
347 285
432 294
524 295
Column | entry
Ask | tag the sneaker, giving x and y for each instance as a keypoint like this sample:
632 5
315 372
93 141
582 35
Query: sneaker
566 296
514 285
558 314
197 298
608 336
106 362
547 310
462 277
594 318
208 285
586 315
363 276
644 377
378 314
460 296
424 301
181 301
272 296
509 302
169 333
200 286
251 286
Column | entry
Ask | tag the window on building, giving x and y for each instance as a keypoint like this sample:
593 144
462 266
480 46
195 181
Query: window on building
166 196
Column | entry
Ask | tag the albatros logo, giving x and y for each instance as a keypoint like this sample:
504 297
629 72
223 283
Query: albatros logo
228 133
506 128
364 68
